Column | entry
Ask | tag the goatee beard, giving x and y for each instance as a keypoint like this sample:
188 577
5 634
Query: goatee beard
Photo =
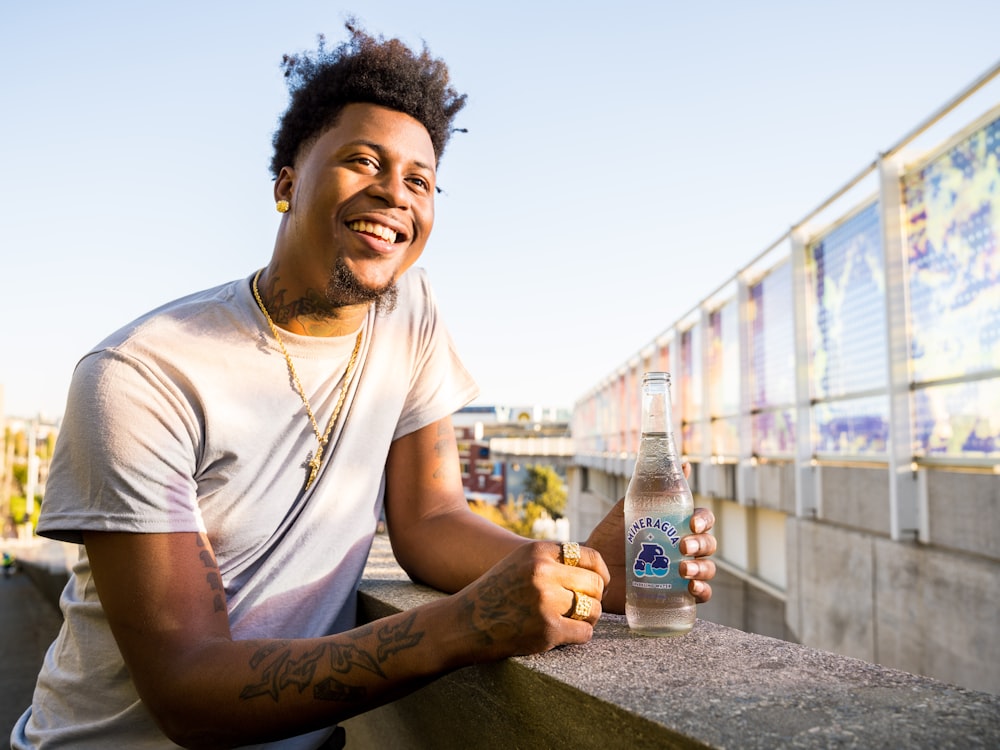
344 288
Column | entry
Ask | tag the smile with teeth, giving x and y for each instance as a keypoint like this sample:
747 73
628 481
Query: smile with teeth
382 232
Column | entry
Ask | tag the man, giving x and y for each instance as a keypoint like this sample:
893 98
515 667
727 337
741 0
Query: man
224 461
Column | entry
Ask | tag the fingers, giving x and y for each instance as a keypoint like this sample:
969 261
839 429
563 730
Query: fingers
583 608
698 545
702 520
701 543
700 590
699 572
589 560
584 575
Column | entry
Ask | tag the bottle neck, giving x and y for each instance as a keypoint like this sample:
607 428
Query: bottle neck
656 417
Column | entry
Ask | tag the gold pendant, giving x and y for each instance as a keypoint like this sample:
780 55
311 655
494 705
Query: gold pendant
313 469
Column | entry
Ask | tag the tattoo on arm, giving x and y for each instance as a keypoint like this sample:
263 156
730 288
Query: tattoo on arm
446 437
213 577
279 669
493 614
395 638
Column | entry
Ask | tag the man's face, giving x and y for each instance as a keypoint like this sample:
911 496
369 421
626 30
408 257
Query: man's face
362 200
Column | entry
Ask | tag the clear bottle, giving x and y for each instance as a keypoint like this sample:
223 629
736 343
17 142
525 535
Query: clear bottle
658 508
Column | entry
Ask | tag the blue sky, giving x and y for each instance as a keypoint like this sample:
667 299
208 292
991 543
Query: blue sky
623 159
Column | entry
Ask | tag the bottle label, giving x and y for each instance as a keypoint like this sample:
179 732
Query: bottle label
653 554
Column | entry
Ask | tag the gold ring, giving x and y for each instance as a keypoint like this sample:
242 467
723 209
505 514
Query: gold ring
571 553
581 606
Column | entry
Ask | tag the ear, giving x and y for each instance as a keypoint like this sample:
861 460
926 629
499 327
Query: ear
283 184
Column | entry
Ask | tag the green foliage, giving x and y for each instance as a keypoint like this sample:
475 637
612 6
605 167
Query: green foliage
45 448
546 488
513 518
19 509
487 511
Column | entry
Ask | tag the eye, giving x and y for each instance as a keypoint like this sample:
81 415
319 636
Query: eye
421 183
368 162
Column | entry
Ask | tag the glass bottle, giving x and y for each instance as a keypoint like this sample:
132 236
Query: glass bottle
658 508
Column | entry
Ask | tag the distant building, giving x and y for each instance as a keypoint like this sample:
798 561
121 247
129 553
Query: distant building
496 444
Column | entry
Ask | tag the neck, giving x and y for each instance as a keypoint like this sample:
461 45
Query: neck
306 312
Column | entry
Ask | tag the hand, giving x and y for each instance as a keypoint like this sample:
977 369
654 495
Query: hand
522 604
608 538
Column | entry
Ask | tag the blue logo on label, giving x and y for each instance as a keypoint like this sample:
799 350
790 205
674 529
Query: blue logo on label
651 561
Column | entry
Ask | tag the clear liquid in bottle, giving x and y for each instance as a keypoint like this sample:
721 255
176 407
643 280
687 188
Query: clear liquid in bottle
658 508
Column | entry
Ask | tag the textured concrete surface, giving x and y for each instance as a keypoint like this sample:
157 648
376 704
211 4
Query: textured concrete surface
963 512
921 618
854 496
716 687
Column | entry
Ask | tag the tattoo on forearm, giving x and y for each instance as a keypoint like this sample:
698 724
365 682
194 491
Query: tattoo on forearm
279 669
335 690
395 638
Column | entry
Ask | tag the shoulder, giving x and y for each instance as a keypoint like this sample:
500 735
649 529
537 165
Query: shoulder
415 286
201 312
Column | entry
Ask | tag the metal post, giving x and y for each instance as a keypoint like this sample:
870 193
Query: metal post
806 494
903 485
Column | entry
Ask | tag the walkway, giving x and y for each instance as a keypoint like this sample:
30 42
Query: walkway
28 624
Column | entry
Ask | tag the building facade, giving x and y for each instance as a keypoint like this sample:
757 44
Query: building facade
496 444
839 400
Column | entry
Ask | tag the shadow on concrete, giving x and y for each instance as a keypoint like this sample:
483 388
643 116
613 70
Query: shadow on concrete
29 622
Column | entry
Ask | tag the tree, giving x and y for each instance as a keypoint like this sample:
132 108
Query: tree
546 488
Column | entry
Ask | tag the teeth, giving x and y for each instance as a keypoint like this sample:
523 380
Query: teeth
377 229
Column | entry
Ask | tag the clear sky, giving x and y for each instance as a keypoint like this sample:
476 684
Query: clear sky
622 159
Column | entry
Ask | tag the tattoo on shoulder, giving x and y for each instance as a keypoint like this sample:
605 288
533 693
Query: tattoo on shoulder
280 669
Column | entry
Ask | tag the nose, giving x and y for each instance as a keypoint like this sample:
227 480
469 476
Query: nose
391 188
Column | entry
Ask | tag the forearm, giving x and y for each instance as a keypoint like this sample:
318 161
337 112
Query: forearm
230 693
450 550
160 594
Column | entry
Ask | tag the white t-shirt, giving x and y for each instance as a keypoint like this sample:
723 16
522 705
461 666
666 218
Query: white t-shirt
187 420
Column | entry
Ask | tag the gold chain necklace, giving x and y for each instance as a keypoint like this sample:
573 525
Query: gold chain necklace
322 438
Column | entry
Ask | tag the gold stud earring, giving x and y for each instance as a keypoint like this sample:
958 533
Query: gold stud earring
282 206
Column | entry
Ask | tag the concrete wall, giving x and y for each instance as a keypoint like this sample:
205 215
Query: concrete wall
904 604
737 603
854 496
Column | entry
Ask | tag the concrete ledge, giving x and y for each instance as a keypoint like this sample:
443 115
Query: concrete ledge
46 563
716 687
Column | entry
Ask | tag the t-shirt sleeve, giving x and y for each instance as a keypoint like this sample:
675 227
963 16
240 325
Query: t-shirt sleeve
126 454
440 384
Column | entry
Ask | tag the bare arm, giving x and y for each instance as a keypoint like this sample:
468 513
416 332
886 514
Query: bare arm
440 542
435 537
163 598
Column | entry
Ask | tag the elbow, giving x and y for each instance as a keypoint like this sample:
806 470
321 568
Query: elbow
186 732
187 721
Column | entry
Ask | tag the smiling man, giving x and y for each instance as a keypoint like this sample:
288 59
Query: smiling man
224 461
